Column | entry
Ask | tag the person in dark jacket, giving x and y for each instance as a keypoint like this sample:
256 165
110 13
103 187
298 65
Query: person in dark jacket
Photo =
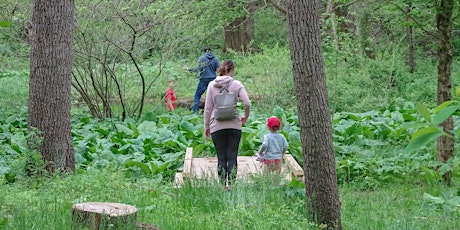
207 67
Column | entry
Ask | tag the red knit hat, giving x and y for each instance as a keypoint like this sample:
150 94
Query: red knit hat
273 122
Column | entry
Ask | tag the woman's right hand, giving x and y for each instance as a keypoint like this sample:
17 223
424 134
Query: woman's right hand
207 133
243 120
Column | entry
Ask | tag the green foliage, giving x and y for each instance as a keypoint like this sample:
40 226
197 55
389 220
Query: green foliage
369 146
267 77
19 156
393 206
14 91
448 201
151 148
378 83
47 204
428 130
265 36
5 23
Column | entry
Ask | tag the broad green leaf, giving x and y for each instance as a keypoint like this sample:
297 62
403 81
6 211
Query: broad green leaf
197 149
442 106
4 221
426 130
413 125
409 117
247 153
154 166
445 168
5 24
443 114
279 112
429 173
144 167
434 199
424 112
163 166
165 134
295 183
124 129
137 148
147 128
370 142
454 202
246 129
457 92
170 157
4 169
186 126
422 140
157 178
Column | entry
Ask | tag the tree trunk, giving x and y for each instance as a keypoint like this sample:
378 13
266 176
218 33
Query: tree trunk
410 38
50 82
240 33
315 122
444 24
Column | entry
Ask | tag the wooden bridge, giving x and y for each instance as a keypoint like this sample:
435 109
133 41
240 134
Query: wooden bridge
206 168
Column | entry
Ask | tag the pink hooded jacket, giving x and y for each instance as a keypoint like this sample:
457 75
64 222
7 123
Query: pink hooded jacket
213 89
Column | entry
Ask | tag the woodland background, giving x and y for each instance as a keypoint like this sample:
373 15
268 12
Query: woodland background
381 65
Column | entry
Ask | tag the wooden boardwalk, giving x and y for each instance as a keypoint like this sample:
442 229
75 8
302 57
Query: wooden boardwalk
206 168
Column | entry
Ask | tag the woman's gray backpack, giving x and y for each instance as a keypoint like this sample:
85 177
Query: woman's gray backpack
225 104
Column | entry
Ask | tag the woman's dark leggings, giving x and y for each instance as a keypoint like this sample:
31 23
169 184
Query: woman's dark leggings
226 142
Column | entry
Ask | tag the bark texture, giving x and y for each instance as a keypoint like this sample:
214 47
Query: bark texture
50 82
239 34
444 24
410 40
315 122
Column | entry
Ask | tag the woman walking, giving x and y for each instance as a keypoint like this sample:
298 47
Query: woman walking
225 134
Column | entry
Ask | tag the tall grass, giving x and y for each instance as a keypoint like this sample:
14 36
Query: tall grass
47 203
394 206
14 90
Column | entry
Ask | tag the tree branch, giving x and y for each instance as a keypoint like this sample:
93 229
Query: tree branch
410 17
277 6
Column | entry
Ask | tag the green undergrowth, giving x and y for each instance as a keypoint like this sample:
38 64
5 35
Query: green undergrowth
47 204
403 205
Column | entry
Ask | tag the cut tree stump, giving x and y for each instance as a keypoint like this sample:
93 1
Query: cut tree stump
103 215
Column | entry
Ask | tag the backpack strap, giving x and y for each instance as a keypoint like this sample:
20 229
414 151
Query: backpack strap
226 86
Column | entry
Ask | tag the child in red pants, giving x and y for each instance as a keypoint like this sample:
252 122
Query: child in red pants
273 146
170 97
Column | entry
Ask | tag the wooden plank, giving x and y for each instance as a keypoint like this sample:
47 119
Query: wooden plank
188 162
189 153
293 166
178 180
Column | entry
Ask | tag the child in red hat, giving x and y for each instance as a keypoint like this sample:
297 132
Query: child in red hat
273 146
